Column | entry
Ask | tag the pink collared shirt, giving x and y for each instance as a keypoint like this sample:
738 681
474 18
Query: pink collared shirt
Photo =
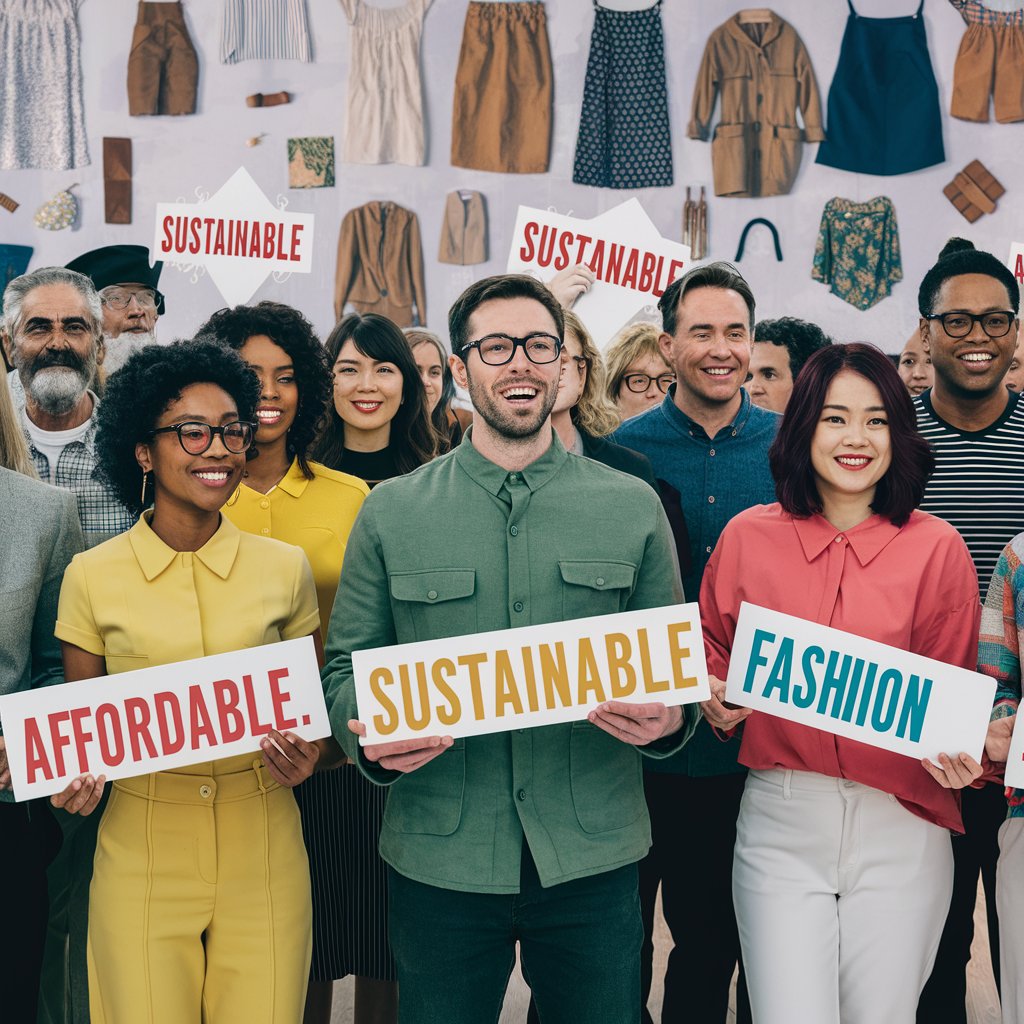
913 587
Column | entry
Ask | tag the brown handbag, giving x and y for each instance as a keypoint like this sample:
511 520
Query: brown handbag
974 191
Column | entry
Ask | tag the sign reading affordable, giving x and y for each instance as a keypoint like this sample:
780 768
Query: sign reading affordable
170 716
237 234
857 688
531 675
632 263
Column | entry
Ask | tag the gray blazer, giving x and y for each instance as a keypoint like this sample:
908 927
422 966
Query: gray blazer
39 534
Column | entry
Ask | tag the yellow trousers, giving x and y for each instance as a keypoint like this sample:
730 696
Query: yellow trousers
199 908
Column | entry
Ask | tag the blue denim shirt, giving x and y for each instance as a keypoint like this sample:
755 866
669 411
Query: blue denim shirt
718 478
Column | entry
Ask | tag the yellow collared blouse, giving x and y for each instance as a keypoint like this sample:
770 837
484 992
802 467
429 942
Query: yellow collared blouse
137 602
315 515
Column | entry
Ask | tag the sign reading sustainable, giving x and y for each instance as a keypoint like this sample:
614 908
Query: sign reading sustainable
858 688
531 675
169 716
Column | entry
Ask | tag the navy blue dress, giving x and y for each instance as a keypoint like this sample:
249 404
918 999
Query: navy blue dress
883 107
624 139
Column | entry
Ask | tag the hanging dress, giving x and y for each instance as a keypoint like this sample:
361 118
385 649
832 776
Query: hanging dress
41 107
624 139
883 107
385 90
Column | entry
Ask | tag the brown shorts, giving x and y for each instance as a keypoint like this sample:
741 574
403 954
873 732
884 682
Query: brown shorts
163 69
990 63
501 117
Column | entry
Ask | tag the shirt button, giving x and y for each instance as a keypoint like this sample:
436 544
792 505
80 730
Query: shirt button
205 792
734 433
264 503
521 795
513 477
599 581
265 531
518 606
712 452
431 595
711 499
840 539
514 530
708 549
383 293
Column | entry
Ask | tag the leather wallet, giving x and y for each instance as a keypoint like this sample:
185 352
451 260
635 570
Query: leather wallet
974 191
259 99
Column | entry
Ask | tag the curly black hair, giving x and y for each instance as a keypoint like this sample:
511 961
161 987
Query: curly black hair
800 338
291 331
139 392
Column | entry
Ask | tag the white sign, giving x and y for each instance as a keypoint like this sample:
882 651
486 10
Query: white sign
857 688
237 234
1015 758
531 675
632 263
169 716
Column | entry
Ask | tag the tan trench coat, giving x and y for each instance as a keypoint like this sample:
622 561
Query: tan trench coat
764 75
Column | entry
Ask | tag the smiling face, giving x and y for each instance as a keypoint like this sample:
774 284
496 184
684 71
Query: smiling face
367 394
916 365
279 392
192 483
428 360
710 349
850 449
973 366
512 401
770 376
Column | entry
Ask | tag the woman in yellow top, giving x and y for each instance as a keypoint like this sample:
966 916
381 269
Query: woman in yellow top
283 494
199 906
286 496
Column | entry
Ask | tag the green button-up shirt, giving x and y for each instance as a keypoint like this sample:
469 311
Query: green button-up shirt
462 546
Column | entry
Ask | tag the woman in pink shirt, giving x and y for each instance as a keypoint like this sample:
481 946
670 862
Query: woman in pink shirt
843 869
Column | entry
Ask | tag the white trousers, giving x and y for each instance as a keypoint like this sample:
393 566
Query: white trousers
1010 904
841 895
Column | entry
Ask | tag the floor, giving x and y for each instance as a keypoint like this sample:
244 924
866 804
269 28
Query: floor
982 1001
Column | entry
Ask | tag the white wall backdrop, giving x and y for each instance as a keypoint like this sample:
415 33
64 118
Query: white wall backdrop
175 155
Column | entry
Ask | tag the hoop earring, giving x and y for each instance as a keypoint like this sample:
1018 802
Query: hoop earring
145 476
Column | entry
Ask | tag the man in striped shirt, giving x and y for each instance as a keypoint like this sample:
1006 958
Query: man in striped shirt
969 305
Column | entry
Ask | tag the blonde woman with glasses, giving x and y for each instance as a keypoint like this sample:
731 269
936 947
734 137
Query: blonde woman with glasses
638 376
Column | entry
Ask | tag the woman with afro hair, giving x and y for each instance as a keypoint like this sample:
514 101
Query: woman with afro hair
199 906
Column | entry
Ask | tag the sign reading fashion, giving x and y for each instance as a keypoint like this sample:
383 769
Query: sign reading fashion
237 234
531 675
165 717
632 263
857 688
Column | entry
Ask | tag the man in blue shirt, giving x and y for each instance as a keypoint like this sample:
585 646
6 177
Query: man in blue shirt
711 443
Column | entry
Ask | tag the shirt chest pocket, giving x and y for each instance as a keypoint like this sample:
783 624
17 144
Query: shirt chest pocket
593 587
433 603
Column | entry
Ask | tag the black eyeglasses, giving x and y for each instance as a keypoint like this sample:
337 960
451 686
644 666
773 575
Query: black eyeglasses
196 438
958 324
640 382
498 349
120 298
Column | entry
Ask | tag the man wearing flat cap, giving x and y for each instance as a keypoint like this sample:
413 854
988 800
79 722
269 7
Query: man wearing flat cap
132 304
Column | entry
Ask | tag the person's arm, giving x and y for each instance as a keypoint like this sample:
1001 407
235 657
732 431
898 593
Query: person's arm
569 284
656 730
999 653
361 619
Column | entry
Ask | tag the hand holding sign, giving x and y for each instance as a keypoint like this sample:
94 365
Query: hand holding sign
953 772
717 712
289 758
81 795
403 755
569 284
637 724
997 740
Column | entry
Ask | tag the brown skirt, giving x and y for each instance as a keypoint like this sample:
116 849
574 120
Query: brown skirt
501 117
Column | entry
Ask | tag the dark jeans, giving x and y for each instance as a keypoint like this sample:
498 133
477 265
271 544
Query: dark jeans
693 827
29 839
944 999
579 945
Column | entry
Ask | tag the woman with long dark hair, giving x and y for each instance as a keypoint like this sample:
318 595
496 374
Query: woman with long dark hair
438 383
380 426
843 868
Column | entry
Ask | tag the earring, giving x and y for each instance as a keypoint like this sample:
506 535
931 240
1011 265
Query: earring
145 477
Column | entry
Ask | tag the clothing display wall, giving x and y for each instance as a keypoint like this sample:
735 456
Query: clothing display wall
172 157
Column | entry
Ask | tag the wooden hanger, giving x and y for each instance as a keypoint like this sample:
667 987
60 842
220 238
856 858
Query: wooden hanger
755 16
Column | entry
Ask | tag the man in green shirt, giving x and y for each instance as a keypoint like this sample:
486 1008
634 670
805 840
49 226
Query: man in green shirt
530 836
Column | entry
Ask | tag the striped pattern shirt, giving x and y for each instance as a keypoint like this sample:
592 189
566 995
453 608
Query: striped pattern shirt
978 483
265 30
1002 628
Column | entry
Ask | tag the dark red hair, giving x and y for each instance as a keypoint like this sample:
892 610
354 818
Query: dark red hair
900 490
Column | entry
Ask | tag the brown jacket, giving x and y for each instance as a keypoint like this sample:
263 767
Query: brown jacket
464 231
764 75
380 264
